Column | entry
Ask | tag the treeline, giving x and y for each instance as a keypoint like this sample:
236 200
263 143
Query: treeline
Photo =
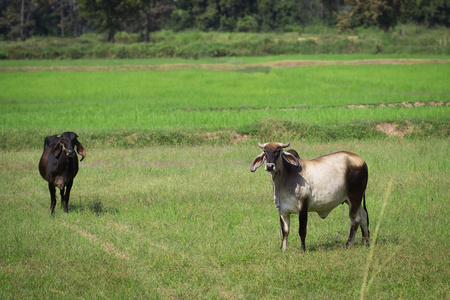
21 19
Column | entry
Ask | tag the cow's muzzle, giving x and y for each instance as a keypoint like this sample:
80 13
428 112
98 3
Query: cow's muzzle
70 153
270 167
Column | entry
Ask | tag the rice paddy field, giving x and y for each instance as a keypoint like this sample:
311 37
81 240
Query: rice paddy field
165 206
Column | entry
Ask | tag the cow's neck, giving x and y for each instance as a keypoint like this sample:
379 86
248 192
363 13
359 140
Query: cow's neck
276 182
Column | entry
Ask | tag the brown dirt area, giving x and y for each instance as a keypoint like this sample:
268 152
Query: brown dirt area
402 104
392 129
224 66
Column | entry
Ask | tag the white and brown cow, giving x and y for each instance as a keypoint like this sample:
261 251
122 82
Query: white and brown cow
318 185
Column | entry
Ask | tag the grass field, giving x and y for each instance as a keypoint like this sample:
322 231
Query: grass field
194 222
106 104
185 217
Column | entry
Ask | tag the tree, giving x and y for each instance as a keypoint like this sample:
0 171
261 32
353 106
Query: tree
15 18
206 15
381 13
74 22
429 12
278 15
109 15
155 13
22 19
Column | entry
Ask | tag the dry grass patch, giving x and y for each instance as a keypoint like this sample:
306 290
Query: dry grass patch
393 129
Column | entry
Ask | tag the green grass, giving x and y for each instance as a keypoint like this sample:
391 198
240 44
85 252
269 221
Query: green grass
165 206
194 222
210 60
202 100
183 106
319 86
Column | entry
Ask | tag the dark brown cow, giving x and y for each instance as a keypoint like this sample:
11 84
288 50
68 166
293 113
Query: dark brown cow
318 185
59 165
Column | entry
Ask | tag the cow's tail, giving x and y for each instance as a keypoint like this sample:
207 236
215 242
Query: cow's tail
364 204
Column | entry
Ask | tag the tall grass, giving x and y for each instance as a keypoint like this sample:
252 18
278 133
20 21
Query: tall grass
194 222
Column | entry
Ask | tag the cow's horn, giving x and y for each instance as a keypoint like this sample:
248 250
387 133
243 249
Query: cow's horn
285 145
261 145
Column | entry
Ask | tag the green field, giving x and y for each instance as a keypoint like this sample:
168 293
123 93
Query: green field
165 206
170 105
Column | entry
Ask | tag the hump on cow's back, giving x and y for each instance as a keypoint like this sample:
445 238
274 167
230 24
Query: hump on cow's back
51 140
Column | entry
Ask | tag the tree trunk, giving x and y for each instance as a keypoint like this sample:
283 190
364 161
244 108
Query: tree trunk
22 12
147 26
111 37
62 19
72 22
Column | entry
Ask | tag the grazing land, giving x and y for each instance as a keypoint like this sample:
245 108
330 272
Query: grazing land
194 106
165 205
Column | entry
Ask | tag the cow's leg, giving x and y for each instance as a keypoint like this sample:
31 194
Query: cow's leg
357 180
355 221
61 192
364 225
52 190
285 222
303 220
67 195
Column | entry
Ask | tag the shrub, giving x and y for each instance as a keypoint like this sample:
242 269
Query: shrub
4 54
247 24
406 39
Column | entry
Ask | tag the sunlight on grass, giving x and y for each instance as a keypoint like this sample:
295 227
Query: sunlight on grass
194 222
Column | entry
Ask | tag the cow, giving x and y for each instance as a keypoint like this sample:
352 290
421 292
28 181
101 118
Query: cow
59 165
317 185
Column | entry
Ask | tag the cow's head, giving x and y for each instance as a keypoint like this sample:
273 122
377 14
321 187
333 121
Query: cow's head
274 155
67 143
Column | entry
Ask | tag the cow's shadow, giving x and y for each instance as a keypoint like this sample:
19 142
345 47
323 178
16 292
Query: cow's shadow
94 205
335 244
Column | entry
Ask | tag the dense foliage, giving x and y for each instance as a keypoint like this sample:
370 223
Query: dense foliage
71 18
405 39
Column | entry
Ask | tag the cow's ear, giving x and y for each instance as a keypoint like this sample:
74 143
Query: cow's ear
57 150
288 157
257 162
80 150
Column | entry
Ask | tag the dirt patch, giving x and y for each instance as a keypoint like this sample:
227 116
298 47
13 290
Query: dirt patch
224 66
240 137
402 104
393 129
300 39
308 38
306 63
236 137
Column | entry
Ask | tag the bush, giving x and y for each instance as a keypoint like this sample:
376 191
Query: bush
4 54
247 24
406 39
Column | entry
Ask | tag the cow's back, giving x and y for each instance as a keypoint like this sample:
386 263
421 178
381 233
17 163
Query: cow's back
328 179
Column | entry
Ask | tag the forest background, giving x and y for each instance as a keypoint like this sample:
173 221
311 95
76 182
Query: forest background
75 29
72 18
